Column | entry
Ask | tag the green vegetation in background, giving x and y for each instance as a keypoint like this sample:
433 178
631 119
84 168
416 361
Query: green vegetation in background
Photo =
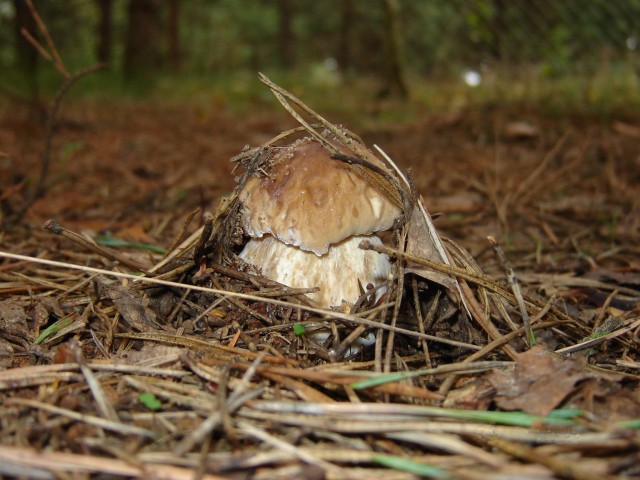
563 57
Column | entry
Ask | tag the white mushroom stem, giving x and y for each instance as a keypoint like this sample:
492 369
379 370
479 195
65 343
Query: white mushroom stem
341 274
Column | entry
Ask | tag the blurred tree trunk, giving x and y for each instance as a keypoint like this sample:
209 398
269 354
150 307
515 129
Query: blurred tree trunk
396 69
498 26
175 54
105 44
286 37
347 18
143 51
26 54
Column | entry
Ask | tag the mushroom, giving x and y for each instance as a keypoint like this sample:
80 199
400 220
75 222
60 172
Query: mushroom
306 217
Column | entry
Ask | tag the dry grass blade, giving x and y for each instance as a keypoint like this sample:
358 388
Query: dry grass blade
105 407
176 393
197 344
54 227
590 342
343 378
116 427
515 288
42 374
451 444
478 279
180 237
379 423
529 186
564 468
281 445
62 462
235 401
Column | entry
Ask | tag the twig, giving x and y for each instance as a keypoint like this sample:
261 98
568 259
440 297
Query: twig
51 119
590 342
484 320
58 229
35 44
104 406
28 376
45 159
512 280
527 187
117 427
182 234
476 278
420 320
564 468
281 445
207 228
85 463
57 60
603 310
342 378
399 285
235 401
245 308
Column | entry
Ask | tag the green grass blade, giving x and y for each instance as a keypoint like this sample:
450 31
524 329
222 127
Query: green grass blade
631 424
108 241
54 328
411 466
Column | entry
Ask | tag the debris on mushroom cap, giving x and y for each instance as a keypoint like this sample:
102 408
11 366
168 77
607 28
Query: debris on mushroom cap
341 274
309 200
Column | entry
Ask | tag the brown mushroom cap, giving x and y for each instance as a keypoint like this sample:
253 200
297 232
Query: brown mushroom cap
309 200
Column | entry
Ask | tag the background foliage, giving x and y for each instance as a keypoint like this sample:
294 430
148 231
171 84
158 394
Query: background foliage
590 46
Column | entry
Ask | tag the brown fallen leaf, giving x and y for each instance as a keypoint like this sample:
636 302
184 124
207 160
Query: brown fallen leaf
623 405
620 277
538 382
134 309
13 318
423 241
41 310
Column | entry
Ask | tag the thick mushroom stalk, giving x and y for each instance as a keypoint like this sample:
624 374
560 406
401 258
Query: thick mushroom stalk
306 217
341 274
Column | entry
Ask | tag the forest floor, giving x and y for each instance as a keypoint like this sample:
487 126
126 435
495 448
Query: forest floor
559 194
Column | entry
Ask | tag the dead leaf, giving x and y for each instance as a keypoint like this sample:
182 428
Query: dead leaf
623 405
151 351
42 309
134 233
474 393
13 319
421 238
133 308
6 349
620 277
538 382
